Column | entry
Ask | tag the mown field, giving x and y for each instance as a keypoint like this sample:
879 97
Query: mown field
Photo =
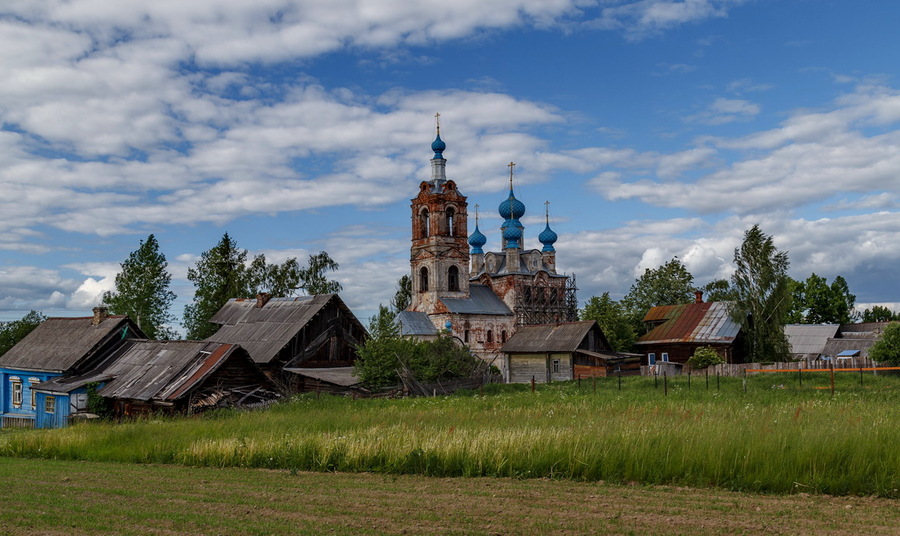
768 435
52 497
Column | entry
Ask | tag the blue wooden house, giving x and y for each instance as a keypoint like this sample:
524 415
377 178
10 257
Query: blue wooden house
57 347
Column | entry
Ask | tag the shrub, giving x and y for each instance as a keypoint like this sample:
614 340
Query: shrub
887 349
704 357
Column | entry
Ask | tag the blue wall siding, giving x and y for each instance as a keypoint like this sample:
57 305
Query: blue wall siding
27 378
60 416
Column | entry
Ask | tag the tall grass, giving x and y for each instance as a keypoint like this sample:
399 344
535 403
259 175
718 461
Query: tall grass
765 439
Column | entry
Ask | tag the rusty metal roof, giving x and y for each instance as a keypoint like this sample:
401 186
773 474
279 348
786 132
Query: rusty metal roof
59 344
566 337
264 331
165 370
691 322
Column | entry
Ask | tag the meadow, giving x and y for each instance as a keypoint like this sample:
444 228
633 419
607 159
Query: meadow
766 435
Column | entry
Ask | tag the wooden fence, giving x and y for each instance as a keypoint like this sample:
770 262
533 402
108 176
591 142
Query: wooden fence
737 370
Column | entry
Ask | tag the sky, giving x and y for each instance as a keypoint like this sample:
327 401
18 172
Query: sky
654 128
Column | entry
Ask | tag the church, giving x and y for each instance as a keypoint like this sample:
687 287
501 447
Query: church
480 297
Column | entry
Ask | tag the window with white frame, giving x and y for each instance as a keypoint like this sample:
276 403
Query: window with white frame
651 359
50 404
16 388
31 383
665 357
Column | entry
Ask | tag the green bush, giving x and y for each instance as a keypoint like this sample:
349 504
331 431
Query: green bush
704 357
887 350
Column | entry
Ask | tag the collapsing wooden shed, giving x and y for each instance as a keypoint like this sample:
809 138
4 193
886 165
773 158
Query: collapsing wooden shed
305 332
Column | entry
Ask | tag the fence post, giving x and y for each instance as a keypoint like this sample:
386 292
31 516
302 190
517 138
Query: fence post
594 382
620 380
579 382
717 379
689 379
745 380
800 374
532 383
832 378
665 384
860 376
655 380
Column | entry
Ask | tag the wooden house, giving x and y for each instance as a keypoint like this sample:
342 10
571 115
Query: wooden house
57 347
298 332
566 351
675 331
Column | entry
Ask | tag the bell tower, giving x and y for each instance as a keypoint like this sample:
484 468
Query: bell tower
439 256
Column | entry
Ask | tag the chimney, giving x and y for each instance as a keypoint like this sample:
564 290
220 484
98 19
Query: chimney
101 313
262 298
699 296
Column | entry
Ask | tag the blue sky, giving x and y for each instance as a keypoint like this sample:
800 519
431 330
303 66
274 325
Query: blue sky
655 128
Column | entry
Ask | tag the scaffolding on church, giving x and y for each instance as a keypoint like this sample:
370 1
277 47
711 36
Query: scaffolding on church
546 301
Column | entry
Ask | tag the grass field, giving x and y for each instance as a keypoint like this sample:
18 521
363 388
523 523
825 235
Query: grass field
51 497
772 438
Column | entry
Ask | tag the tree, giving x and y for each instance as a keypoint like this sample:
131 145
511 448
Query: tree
277 280
762 289
219 275
313 276
814 301
403 297
718 291
142 290
879 313
886 350
223 273
385 352
610 315
13 332
670 284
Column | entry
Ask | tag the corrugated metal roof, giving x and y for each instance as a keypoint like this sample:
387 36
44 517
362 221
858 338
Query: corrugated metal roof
264 331
564 337
481 301
707 322
163 370
809 339
415 323
58 344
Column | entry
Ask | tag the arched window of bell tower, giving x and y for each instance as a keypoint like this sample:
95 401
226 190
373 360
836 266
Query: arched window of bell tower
453 278
424 224
451 219
423 279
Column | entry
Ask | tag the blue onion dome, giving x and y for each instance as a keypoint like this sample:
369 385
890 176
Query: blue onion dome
477 240
438 146
512 233
511 208
548 238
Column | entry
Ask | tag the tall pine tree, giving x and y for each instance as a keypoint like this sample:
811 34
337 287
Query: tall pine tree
142 290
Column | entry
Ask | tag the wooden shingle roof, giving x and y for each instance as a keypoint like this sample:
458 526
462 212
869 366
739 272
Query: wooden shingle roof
58 344
264 331
565 337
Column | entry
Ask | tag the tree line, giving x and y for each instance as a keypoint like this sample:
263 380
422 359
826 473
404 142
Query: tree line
761 295
222 272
